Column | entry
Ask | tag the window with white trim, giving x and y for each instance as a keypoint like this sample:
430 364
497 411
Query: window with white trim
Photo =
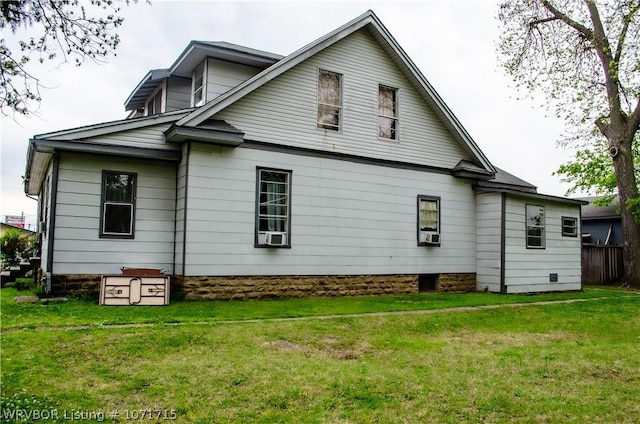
428 221
329 100
118 204
535 222
387 112
569 226
273 226
198 90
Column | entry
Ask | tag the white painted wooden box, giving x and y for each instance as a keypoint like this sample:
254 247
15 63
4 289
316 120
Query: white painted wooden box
134 290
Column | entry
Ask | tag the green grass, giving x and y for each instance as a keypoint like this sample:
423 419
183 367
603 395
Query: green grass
78 312
560 362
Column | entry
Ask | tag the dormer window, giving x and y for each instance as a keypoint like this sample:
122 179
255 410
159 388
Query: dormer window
154 105
198 86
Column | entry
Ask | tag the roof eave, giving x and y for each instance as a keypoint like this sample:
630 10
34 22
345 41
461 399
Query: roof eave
527 194
179 134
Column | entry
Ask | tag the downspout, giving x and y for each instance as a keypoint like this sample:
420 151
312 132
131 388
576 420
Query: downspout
186 201
51 227
503 240
581 250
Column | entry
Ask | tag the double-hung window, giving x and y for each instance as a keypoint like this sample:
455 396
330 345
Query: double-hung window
387 113
535 222
329 100
569 226
198 86
428 221
273 208
118 204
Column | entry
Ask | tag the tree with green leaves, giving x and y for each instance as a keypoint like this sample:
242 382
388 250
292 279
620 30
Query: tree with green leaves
67 30
584 55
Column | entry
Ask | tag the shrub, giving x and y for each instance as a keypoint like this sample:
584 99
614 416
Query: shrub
14 245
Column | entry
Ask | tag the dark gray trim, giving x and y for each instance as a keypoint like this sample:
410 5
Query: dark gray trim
104 149
186 201
51 225
257 208
133 210
544 227
528 195
503 241
302 151
562 233
581 257
439 231
175 219
178 134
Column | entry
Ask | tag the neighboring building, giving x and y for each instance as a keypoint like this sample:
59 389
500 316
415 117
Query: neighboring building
335 170
601 224
5 227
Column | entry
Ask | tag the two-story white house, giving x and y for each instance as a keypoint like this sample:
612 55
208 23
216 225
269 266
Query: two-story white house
335 170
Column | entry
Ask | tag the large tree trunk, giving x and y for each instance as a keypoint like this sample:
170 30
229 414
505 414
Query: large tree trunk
627 189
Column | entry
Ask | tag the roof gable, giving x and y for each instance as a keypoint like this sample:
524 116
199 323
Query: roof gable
393 50
192 56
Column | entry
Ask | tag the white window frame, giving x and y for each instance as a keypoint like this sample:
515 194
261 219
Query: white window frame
533 213
265 199
384 117
201 89
320 123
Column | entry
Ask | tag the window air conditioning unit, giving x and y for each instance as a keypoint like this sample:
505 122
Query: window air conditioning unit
429 238
275 239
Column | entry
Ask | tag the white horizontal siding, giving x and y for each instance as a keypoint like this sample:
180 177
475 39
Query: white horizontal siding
528 270
488 242
347 218
149 137
78 249
284 110
223 76
178 94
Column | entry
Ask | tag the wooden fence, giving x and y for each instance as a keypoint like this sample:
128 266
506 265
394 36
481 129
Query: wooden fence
601 264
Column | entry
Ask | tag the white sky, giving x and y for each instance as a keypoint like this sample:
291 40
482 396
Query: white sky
451 42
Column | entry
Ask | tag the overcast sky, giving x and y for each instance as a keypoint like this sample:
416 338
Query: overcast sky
451 42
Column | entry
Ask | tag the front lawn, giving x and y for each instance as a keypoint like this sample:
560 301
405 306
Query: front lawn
557 362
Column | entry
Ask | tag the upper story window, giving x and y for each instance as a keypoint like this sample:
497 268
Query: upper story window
154 105
428 221
273 208
198 86
387 113
535 226
329 100
569 226
118 204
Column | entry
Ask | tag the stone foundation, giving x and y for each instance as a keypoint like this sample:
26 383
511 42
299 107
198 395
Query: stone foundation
262 287
81 285
457 282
